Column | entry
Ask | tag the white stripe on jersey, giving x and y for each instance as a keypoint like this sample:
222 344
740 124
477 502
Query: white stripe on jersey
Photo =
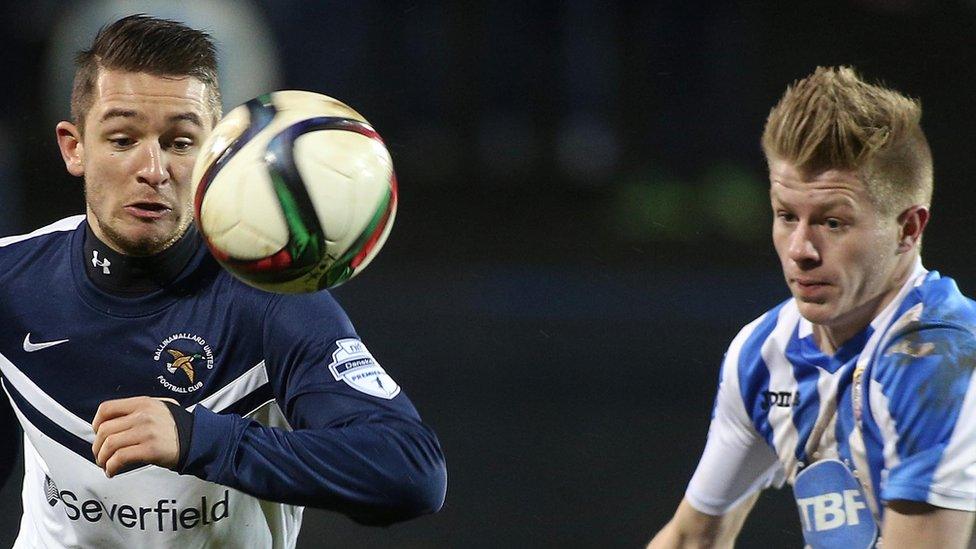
859 455
66 224
730 373
824 446
781 378
46 405
245 384
882 417
950 479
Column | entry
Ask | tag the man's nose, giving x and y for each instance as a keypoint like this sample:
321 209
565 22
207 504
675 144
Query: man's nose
153 170
803 248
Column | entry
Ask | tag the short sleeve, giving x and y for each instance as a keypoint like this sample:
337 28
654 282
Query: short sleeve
922 400
737 461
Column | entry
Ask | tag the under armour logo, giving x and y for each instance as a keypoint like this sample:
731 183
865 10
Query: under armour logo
103 263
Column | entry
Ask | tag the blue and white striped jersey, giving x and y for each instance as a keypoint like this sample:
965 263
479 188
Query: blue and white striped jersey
896 404
289 407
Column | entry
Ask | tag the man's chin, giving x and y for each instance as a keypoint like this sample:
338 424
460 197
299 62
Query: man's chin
815 312
143 242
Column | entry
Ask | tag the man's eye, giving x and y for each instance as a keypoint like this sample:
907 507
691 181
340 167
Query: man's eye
182 144
122 142
833 223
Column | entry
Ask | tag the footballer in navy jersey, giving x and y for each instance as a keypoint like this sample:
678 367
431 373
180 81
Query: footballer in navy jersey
859 390
163 402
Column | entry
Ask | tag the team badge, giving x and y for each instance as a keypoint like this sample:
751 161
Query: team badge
353 364
184 356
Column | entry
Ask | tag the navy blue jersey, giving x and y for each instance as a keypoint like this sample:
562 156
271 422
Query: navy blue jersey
290 408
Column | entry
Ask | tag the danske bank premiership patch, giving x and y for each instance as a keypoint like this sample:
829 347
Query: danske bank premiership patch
353 364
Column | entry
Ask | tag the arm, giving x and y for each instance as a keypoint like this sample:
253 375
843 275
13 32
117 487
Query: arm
377 467
690 528
925 375
735 466
358 446
910 524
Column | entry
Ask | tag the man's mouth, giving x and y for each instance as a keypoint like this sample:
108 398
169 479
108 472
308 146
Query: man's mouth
147 210
807 287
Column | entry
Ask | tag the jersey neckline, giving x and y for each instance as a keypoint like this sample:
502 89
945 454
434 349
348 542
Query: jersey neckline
186 283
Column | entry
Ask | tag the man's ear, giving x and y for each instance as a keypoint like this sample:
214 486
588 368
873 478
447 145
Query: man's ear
72 148
912 222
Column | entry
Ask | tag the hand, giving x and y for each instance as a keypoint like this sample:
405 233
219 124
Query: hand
134 431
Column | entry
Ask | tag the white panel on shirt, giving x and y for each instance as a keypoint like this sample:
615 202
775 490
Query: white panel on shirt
66 224
250 522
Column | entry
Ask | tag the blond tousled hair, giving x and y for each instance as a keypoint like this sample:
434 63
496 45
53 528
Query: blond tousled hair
834 120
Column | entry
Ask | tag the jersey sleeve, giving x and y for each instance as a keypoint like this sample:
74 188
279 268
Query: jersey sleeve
736 461
923 400
358 445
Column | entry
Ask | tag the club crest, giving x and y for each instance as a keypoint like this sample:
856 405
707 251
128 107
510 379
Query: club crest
184 356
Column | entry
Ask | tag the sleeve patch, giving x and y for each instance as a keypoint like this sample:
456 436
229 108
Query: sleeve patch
353 364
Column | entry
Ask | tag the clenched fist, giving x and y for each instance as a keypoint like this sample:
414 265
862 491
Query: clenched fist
132 432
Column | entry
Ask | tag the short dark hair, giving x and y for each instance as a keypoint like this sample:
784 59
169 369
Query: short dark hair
140 43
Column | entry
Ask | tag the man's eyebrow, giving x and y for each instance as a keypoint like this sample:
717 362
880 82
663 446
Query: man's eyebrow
121 113
190 117
838 203
829 204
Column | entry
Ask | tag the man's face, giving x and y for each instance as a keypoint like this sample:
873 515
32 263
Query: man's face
840 255
141 138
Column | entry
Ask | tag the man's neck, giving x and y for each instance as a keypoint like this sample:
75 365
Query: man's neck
130 276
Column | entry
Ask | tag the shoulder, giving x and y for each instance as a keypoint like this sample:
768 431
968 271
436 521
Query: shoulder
746 350
45 234
316 316
36 250
943 303
935 335
310 306
934 315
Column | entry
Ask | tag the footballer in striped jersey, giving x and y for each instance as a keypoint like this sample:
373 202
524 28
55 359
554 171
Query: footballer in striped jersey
858 390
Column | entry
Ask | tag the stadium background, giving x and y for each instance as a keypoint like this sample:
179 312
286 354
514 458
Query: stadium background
583 223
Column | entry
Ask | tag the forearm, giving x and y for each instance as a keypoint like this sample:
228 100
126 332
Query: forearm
672 537
378 471
692 529
909 524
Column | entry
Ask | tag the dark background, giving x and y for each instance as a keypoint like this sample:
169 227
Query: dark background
583 223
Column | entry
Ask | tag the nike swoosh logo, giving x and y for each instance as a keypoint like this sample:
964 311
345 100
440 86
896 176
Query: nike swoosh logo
31 347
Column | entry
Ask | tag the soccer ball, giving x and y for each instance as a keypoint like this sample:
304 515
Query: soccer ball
294 192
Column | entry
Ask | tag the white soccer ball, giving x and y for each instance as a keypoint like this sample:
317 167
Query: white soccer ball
294 192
